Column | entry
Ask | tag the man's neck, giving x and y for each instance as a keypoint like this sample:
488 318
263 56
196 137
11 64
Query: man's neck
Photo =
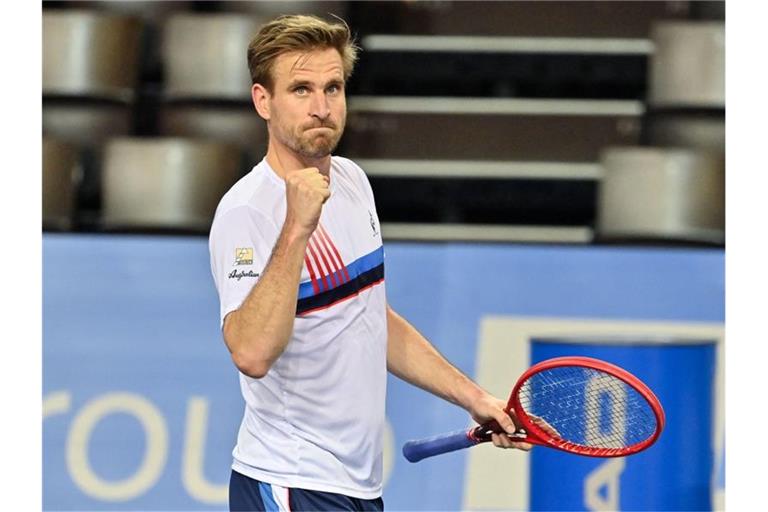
283 161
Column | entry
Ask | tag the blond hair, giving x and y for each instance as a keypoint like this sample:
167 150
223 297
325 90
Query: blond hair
301 33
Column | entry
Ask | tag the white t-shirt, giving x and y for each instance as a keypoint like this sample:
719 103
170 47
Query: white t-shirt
316 420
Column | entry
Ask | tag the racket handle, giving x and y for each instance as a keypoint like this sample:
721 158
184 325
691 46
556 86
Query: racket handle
419 449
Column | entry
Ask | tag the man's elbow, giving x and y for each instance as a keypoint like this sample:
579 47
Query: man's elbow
250 365
250 362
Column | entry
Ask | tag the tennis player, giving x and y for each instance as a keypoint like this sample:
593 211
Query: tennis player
297 257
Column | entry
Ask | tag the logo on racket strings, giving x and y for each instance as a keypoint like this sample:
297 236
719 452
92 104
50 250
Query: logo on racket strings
606 413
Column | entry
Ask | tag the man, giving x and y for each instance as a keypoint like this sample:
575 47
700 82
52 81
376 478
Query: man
298 261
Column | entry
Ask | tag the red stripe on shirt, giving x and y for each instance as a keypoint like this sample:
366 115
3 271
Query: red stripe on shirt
327 237
320 249
333 254
315 286
320 269
326 251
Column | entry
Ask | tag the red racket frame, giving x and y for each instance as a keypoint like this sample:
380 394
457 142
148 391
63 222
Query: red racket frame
536 435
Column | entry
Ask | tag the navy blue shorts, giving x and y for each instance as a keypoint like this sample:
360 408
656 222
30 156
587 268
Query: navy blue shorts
248 494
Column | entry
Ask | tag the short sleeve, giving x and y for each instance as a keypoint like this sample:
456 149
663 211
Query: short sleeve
240 243
365 184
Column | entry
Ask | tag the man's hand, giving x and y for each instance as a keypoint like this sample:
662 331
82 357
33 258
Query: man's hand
489 408
306 191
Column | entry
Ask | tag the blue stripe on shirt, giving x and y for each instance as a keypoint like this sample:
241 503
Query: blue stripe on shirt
356 268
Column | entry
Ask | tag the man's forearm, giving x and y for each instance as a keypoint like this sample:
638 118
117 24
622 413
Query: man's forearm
412 358
258 331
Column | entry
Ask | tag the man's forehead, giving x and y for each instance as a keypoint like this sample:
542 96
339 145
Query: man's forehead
292 64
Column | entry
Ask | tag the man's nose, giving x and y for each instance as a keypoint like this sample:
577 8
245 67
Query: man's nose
319 107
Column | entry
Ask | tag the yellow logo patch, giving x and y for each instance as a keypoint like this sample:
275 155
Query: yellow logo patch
244 256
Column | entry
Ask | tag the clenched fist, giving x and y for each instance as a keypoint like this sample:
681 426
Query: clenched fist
306 191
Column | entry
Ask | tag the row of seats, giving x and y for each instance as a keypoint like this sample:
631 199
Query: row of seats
148 183
175 184
96 55
96 93
206 63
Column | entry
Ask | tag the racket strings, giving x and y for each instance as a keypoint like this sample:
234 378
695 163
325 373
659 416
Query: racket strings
588 407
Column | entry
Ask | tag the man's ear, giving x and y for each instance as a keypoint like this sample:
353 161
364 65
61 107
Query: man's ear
260 96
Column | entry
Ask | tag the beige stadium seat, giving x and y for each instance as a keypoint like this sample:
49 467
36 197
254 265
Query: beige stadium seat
61 175
153 14
662 193
165 183
688 64
88 125
236 124
205 56
90 54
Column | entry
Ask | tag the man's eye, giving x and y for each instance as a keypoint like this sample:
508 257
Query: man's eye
301 90
334 89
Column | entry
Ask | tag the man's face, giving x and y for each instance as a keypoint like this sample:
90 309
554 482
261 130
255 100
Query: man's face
308 108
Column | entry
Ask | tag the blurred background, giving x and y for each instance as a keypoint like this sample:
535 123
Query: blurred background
550 180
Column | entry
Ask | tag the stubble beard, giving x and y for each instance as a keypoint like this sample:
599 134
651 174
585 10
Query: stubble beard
313 145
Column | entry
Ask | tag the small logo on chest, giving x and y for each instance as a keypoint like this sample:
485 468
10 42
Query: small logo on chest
244 256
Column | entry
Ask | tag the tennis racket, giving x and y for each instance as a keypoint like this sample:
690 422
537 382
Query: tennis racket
577 404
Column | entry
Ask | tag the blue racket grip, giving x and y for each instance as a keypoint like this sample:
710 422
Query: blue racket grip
419 449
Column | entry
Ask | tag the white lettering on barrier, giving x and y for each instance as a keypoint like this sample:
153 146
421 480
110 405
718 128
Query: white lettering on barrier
155 453
58 402
606 476
192 459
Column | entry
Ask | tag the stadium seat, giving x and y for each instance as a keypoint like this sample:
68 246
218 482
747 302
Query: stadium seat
88 54
207 88
165 183
205 56
61 174
687 85
153 15
688 64
662 193
91 61
88 125
232 123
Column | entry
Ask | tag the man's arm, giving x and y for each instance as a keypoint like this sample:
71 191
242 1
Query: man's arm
412 358
258 331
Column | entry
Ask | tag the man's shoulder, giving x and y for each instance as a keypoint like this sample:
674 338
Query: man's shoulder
346 164
246 192
349 168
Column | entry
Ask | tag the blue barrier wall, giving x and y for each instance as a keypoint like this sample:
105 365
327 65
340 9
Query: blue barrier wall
142 405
